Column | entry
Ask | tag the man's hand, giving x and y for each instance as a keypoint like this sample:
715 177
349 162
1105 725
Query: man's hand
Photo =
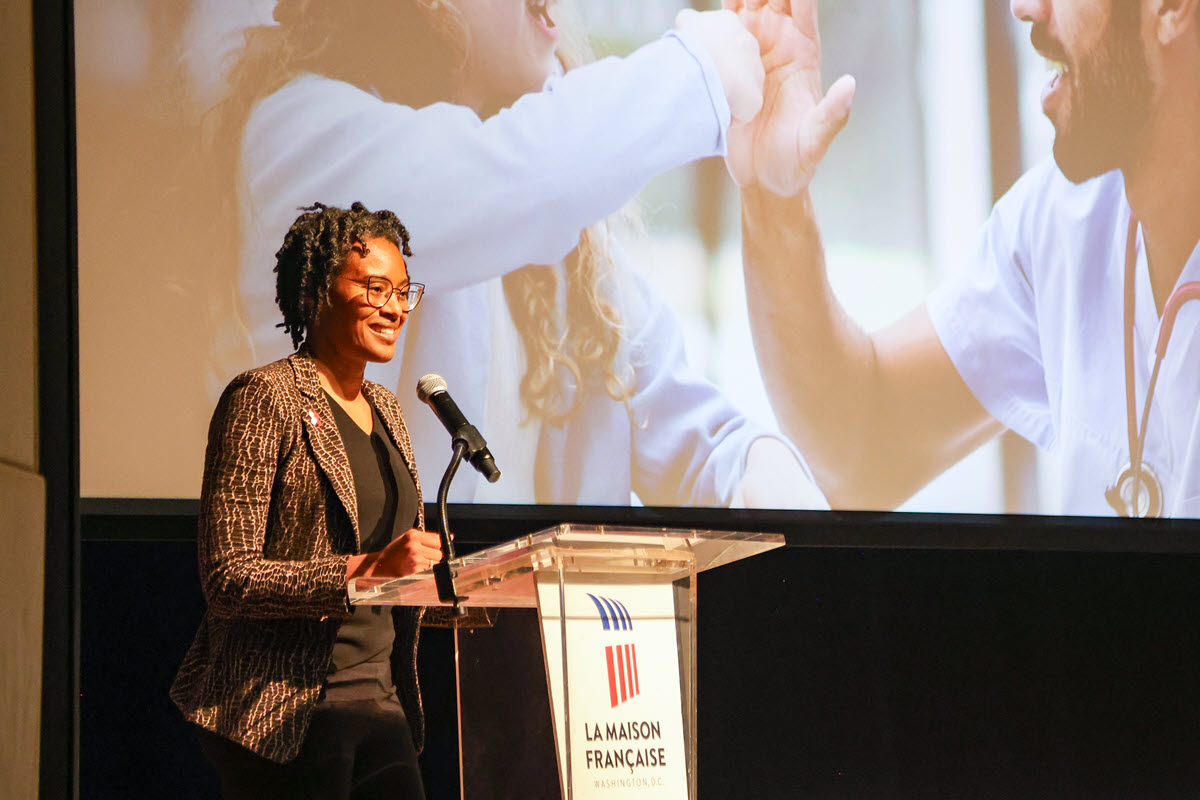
779 150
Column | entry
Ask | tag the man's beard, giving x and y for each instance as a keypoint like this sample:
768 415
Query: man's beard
1110 101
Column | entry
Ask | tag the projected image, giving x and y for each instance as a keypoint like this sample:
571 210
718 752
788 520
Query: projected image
591 301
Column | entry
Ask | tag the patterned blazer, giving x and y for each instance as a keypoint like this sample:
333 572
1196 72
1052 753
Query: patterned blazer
278 522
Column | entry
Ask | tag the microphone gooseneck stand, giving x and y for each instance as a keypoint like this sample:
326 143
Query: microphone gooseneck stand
443 578
467 441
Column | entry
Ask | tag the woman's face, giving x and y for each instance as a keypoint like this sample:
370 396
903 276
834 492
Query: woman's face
347 328
511 51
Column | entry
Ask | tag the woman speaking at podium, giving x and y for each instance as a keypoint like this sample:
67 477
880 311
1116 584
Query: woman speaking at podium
309 481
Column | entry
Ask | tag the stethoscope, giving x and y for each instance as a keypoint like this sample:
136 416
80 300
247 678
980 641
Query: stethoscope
1137 491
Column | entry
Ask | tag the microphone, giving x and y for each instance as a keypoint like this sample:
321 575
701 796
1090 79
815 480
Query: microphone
431 390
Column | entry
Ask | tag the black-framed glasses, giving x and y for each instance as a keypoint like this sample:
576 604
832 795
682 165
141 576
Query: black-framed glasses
380 290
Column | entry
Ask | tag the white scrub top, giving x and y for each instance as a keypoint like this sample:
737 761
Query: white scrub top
1033 323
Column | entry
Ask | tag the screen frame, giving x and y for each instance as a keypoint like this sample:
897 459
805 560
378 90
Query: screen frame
58 391
134 519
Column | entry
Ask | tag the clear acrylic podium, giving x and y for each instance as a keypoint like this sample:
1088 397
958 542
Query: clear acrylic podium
581 683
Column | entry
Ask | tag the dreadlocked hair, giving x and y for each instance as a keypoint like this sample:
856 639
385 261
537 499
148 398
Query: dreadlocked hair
314 251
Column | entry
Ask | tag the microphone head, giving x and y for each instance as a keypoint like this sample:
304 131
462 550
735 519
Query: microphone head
430 385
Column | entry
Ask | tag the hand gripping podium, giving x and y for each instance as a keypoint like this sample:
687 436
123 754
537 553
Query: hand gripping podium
604 705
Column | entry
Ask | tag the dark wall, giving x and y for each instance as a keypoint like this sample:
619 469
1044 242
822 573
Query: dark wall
950 674
824 671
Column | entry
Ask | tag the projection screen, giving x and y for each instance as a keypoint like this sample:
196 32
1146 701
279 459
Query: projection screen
197 144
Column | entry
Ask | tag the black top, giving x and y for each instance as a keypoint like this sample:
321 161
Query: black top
387 507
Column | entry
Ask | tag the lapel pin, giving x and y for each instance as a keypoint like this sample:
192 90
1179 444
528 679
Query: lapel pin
313 419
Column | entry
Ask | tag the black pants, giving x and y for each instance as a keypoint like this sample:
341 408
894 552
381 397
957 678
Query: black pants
354 750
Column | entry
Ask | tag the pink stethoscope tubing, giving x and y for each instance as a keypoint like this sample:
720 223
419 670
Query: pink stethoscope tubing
1138 471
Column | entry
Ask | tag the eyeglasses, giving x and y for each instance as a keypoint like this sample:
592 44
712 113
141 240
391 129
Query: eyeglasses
380 290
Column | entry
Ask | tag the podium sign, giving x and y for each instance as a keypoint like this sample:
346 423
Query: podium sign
616 609
615 687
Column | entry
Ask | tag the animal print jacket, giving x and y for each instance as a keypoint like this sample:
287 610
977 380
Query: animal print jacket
278 522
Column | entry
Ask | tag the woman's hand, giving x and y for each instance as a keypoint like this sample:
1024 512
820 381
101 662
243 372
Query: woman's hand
734 52
779 150
413 551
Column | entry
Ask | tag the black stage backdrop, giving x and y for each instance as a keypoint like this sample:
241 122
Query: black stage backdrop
871 657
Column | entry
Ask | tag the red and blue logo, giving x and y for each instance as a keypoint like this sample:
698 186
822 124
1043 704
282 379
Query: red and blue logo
622 658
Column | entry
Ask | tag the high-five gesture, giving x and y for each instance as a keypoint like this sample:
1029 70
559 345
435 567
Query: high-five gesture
779 150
